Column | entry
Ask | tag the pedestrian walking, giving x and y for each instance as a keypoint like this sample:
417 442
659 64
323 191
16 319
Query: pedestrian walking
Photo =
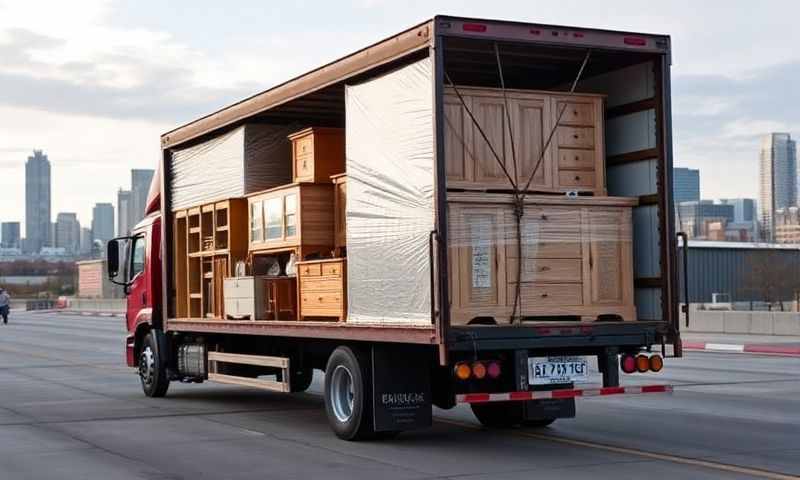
5 305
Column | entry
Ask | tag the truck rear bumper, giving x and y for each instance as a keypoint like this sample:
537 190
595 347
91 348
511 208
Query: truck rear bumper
560 394
584 337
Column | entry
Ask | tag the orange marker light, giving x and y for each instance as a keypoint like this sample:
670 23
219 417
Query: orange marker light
462 371
656 363
642 363
478 370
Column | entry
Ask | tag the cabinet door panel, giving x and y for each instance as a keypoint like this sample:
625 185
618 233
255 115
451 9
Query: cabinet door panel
529 136
457 138
490 114
609 238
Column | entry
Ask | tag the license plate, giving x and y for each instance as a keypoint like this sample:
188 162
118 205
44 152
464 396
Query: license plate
550 370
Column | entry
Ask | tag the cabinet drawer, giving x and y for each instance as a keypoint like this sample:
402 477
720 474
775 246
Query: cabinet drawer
310 270
304 146
576 137
321 283
566 270
576 159
576 178
320 300
547 294
576 113
303 165
535 248
332 269
538 219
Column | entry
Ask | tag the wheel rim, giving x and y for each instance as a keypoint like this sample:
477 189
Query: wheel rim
342 393
147 366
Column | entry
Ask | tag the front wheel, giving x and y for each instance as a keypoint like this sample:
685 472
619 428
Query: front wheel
348 397
152 373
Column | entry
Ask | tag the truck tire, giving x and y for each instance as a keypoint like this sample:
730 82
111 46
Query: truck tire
152 373
348 395
499 414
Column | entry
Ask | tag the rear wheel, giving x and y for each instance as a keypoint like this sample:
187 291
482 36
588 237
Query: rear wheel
348 396
152 373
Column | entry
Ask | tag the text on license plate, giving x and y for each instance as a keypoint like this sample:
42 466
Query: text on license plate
549 370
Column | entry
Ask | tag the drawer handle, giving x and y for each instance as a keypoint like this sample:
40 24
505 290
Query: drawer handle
544 269
577 158
577 177
320 299
544 295
544 217
575 112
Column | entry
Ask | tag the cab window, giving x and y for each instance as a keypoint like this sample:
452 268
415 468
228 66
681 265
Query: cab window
137 258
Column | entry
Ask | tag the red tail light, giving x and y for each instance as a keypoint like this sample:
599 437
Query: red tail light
635 41
493 369
628 363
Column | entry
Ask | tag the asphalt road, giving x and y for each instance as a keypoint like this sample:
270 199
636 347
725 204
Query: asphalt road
70 409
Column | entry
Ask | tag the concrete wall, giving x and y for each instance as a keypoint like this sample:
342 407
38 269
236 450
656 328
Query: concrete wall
754 323
102 305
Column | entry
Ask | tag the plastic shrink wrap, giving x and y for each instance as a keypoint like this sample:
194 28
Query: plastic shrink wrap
247 159
390 198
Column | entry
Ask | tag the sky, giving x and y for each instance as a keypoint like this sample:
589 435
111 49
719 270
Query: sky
94 83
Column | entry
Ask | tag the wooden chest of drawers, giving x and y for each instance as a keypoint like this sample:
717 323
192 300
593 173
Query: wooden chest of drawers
574 160
317 153
322 288
575 260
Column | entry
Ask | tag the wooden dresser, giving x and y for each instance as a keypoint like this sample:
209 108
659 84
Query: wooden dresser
576 258
322 287
574 160
317 153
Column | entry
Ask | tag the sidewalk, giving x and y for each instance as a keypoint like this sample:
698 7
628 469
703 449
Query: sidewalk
732 343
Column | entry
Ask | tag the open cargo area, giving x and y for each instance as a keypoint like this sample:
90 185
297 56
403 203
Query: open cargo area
459 175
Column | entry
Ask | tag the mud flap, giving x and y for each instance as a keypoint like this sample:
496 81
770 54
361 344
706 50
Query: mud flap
401 387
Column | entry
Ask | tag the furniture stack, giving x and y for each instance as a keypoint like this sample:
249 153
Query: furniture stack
568 257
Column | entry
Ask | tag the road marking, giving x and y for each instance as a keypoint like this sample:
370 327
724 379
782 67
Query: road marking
724 347
755 472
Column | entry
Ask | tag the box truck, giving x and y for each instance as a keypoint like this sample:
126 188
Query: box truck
464 212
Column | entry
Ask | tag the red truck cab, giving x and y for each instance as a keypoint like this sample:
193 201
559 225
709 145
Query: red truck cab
138 270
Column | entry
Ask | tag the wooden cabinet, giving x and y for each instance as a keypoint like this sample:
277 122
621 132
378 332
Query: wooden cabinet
295 217
322 288
574 160
317 153
339 210
208 240
574 261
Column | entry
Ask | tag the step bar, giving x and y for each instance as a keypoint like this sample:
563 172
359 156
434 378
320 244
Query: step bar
560 394
215 358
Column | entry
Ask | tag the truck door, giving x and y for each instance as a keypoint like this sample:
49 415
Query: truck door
137 291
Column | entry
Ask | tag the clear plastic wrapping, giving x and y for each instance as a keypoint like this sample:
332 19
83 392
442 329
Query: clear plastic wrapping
245 160
566 258
390 201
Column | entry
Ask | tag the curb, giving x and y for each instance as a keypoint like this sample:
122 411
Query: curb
762 349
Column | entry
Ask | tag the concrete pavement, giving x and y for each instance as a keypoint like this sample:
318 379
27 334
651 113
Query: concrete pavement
69 408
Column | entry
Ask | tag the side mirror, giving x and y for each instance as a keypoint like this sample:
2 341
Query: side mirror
112 259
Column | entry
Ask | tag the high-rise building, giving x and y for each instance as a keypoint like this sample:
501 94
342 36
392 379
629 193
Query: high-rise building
685 185
86 241
9 236
697 218
744 209
124 210
777 179
67 233
103 222
37 202
140 187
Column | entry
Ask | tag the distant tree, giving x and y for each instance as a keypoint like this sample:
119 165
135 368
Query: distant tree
768 278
